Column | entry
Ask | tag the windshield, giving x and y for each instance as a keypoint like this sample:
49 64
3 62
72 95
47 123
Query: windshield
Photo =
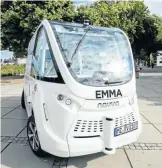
95 57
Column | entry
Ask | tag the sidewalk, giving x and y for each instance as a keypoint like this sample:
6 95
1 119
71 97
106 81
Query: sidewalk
12 79
145 153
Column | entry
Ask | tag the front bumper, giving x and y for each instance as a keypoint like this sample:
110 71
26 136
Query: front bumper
85 146
92 133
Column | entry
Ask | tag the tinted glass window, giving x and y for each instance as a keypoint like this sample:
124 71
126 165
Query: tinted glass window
43 61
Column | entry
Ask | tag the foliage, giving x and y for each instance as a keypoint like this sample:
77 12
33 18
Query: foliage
21 18
143 54
146 40
125 15
158 23
132 17
9 69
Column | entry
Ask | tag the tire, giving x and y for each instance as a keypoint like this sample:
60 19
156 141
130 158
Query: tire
23 100
32 135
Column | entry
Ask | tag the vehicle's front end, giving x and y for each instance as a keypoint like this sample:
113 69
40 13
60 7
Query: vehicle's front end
96 108
104 125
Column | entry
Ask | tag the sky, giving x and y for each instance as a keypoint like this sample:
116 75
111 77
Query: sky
6 54
155 6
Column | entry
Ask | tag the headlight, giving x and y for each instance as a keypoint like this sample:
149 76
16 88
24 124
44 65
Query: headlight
65 99
68 101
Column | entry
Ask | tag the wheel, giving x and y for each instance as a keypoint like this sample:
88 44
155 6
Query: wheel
23 100
33 139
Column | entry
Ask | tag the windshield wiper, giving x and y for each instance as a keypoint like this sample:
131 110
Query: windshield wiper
79 43
109 83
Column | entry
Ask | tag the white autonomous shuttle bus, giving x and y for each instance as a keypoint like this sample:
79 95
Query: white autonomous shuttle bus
80 90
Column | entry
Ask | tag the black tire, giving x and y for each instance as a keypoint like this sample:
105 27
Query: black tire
23 100
37 150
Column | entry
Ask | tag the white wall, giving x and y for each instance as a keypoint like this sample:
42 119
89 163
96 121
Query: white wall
21 61
159 60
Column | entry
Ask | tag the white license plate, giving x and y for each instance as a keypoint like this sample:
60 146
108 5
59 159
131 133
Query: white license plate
125 128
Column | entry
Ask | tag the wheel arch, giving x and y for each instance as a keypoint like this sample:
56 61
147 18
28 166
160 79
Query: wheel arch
30 111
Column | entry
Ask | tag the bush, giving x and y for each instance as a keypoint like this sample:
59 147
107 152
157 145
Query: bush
8 70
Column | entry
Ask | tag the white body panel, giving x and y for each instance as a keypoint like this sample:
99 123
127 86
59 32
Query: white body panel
83 127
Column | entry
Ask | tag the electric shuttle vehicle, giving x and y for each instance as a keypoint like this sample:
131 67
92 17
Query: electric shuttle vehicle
80 90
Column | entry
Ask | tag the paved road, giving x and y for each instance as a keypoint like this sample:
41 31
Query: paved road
150 70
145 153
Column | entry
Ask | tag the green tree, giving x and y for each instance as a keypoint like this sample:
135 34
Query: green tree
21 18
158 23
147 38
129 16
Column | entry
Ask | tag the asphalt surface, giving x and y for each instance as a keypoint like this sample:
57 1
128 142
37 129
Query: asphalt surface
150 70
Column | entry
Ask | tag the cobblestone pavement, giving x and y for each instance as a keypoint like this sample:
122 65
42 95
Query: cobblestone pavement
145 153
135 146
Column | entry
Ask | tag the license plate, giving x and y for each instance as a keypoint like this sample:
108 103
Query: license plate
125 128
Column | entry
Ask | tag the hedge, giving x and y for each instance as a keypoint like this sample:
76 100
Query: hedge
8 70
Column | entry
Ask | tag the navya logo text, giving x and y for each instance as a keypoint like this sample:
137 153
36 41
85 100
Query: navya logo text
100 94
108 104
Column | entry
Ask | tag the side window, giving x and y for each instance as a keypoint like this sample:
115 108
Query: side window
43 61
29 55
38 44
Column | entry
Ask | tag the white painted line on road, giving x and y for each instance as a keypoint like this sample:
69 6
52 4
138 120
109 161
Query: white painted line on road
150 74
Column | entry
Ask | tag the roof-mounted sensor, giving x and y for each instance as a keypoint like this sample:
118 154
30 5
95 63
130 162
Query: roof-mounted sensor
86 23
